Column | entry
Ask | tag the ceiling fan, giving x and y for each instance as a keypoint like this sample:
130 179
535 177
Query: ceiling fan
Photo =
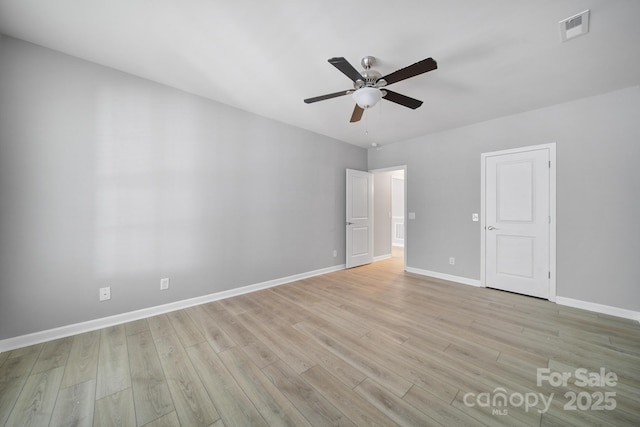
368 83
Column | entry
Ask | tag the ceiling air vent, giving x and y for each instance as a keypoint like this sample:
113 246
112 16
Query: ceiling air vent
574 26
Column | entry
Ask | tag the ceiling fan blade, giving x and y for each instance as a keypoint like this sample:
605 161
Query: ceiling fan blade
420 67
328 96
357 114
402 99
346 68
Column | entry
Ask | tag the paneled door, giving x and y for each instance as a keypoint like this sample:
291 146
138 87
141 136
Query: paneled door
517 221
359 224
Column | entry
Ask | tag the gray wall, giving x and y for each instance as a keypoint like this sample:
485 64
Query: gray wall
598 196
108 179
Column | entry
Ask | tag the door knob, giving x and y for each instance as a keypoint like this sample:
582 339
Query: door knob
349 223
491 227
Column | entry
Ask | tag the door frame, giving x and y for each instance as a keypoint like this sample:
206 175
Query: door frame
552 211
406 225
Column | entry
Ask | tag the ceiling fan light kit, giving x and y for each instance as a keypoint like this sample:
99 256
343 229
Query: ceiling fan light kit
367 97
366 84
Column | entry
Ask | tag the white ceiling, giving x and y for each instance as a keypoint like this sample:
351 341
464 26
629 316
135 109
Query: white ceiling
495 57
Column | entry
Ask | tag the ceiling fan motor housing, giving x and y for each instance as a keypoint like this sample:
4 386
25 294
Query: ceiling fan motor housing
371 76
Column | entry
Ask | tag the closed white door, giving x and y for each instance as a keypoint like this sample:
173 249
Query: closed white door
517 222
359 225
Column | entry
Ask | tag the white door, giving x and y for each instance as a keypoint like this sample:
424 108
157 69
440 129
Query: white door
517 221
359 218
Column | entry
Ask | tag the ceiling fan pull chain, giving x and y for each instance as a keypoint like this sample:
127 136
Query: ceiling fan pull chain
366 125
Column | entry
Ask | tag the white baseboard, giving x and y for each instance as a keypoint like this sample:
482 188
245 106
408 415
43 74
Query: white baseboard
599 308
443 276
570 302
381 257
92 325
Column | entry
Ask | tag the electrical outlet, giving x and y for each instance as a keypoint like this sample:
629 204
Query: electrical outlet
164 284
452 260
105 293
335 253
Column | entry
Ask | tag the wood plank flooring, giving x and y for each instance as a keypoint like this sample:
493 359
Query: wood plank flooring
362 347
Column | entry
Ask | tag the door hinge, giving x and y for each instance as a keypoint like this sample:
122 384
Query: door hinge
549 164
549 275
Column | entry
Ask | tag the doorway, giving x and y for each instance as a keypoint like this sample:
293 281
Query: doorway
390 222
518 220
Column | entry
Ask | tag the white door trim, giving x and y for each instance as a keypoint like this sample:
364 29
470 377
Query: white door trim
552 211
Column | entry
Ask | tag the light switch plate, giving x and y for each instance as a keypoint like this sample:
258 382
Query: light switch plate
475 217
412 215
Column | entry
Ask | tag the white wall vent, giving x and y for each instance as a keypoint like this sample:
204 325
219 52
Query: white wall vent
574 26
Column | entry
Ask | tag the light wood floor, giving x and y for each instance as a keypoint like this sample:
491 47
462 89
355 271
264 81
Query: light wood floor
367 346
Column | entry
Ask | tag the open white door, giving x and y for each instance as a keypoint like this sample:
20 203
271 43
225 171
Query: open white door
517 220
359 224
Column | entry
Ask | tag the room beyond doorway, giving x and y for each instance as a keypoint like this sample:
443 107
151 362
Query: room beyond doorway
389 217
